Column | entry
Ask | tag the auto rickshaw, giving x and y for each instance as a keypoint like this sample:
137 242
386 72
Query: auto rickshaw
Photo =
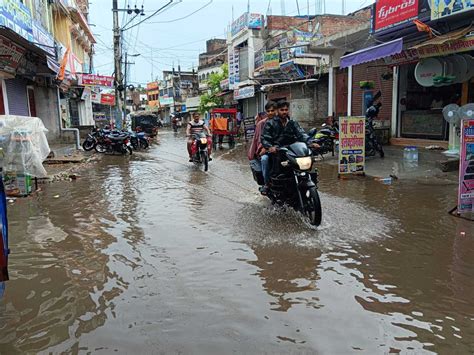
223 123
146 122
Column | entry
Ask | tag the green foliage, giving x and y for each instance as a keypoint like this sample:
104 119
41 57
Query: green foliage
209 99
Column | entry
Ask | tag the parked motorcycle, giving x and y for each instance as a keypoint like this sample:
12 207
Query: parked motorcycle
327 138
91 140
139 140
115 142
372 144
199 150
294 181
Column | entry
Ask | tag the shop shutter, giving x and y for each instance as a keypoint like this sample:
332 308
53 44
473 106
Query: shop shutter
17 97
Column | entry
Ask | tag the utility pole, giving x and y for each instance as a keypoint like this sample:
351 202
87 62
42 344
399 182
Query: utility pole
125 85
117 64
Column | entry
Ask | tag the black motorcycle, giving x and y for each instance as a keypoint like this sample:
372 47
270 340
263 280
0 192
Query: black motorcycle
327 138
294 181
199 150
139 140
115 142
91 140
372 144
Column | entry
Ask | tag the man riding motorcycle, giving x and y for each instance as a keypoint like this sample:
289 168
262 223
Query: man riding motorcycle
194 127
279 132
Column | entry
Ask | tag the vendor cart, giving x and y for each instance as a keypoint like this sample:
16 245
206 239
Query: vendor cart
223 125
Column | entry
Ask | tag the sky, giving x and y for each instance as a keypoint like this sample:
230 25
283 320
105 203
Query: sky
178 34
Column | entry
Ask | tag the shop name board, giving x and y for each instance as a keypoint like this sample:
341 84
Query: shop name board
291 70
389 13
234 68
244 93
224 84
166 100
352 145
442 9
247 20
96 80
271 60
466 168
43 38
17 17
10 55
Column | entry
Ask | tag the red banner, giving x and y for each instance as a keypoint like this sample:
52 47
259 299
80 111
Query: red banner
96 80
392 12
107 99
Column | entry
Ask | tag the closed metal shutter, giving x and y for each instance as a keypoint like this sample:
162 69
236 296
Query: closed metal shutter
17 97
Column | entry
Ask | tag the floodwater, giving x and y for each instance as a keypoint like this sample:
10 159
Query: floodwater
148 254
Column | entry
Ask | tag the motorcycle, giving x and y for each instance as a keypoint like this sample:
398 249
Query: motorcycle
139 140
115 142
199 150
91 140
327 138
294 181
372 144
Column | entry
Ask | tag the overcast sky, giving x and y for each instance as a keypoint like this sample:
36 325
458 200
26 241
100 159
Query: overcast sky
169 38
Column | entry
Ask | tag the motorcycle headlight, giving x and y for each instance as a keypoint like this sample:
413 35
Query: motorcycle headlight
304 163
203 140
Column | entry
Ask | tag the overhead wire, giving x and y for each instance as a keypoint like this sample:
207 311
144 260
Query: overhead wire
184 17
152 15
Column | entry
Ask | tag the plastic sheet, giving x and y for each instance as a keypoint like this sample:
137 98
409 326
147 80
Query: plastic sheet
24 143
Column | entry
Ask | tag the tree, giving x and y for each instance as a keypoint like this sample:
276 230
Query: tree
210 98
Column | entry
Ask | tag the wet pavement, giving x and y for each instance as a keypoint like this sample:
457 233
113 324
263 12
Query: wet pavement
148 254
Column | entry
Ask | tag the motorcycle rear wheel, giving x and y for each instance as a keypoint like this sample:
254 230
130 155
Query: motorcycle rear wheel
143 144
88 145
312 207
100 148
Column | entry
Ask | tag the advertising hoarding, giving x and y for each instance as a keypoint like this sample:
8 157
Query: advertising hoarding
352 145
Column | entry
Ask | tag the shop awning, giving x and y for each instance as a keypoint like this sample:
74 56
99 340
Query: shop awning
372 53
451 36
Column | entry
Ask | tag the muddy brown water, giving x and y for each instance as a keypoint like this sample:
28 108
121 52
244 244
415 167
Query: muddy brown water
150 255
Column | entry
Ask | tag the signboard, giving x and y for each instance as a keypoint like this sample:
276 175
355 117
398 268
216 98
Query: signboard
234 68
258 58
95 80
445 8
389 13
251 21
271 60
152 86
10 55
100 117
352 145
95 97
466 168
107 99
224 84
244 93
186 84
17 17
166 100
249 128
291 70
43 38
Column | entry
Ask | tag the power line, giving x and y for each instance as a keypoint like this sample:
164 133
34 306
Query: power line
153 14
184 17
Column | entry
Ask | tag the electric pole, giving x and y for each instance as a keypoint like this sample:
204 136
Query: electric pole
126 63
117 64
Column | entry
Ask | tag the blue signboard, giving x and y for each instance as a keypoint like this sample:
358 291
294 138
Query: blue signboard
44 39
17 17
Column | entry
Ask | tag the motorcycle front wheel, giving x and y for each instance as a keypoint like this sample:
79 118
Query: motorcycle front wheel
205 160
312 206
88 145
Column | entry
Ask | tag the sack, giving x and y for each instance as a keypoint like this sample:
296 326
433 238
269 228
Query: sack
256 167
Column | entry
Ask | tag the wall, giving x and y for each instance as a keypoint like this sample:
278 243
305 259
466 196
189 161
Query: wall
216 44
372 72
275 23
47 110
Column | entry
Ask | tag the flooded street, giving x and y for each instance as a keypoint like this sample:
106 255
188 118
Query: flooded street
148 254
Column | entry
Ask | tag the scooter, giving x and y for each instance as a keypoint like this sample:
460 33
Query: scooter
372 144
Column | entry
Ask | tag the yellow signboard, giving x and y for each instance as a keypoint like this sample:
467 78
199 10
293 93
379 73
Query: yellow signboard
351 145
271 60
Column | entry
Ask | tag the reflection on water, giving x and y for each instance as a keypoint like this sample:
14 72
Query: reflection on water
150 254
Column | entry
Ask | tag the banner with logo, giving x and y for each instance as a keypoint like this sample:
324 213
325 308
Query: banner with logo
271 60
351 145
95 80
17 17
166 100
389 13
107 99
244 93
251 21
466 168
445 8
